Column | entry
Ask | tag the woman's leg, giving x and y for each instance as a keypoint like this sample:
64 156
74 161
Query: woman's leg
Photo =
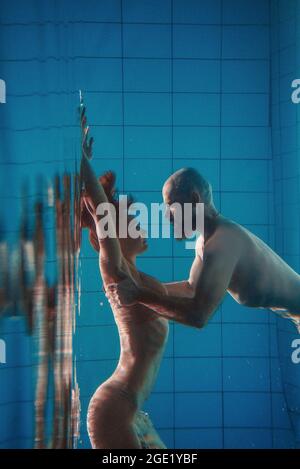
146 432
110 420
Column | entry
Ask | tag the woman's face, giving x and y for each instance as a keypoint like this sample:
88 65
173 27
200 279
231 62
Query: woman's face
132 245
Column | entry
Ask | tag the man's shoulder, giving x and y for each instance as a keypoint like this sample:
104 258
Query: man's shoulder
228 235
228 229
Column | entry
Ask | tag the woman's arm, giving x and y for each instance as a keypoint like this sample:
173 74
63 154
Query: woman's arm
110 253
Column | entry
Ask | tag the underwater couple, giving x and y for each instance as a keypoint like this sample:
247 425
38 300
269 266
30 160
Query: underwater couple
228 258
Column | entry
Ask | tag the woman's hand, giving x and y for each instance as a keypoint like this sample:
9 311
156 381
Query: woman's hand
123 293
86 142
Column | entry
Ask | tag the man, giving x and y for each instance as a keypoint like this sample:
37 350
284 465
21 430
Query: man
228 258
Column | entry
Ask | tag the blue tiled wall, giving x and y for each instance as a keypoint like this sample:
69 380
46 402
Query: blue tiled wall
195 92
285 142
167 84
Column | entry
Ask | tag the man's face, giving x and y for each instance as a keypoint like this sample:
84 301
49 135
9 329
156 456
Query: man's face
174 201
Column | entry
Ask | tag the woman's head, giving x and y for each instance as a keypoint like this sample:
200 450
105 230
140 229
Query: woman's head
130 246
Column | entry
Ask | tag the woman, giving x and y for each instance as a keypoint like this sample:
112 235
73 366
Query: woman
114 417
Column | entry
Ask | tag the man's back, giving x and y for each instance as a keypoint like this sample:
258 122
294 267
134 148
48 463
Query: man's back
261 278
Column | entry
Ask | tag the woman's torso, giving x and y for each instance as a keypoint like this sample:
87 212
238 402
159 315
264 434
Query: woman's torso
143 336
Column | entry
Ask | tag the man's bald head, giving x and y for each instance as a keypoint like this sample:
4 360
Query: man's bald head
186 184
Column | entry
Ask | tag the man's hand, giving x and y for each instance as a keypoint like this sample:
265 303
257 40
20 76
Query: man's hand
124 293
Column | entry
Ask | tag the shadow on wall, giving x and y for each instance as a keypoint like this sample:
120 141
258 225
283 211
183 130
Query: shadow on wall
49 307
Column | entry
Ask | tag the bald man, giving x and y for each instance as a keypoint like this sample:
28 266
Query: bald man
228 258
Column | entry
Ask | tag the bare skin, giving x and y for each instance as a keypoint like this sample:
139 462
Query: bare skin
114 419
228 258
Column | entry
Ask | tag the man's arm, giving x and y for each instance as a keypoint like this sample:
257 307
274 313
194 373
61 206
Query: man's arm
186 288
182 289
219 261
210 288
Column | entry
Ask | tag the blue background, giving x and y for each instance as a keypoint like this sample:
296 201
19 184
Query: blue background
167 84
